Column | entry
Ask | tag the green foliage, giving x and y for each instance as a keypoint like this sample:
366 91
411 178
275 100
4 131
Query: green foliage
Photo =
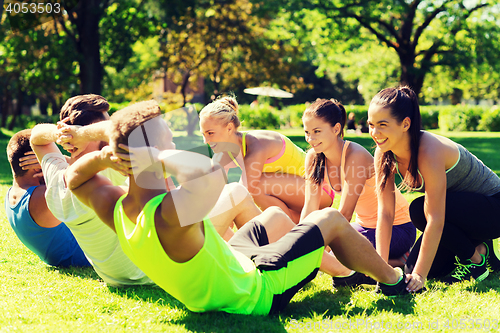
490 120
293 114
29 121
261 116
430 116
113 107
460 117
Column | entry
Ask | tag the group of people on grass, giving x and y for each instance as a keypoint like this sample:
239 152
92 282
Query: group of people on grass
248 247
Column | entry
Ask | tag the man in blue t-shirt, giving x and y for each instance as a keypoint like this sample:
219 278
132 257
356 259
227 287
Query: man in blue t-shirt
27 211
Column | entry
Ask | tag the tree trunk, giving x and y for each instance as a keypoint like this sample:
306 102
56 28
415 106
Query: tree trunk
6 108
55 107
91 71
1 8
193 119
44 103
2 109
18 109
185 83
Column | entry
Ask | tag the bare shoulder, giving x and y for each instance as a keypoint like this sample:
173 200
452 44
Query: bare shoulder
39 210
437 148
310 155
358 155
267 142
262 136
38 194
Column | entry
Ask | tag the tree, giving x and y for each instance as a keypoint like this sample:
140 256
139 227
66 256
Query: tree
103 32
420 32
227 43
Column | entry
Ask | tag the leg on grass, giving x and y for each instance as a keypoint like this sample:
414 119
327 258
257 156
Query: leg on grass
350 247
278 224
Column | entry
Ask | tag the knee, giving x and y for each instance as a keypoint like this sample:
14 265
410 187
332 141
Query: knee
329 215
237 187
417 213
275 211
239 193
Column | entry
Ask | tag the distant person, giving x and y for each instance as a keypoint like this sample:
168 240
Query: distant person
27 211
458 215
351 122
346 168
272 165
364 126
171 239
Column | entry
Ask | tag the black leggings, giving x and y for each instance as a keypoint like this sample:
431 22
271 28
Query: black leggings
470 219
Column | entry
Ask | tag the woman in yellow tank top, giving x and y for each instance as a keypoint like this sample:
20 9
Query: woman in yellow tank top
347 169
272 165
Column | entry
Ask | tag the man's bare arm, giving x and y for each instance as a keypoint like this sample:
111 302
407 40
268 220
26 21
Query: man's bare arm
42 140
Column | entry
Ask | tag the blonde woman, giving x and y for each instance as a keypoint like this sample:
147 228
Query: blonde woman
272 165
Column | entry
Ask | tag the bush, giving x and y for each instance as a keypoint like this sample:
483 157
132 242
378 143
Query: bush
430 116
28 121
490 120
113 107
460 117
293 114
260 116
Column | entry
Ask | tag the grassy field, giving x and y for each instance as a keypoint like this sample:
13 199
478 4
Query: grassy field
37 298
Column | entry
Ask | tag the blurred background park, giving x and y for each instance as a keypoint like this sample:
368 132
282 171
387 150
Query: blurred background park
187 52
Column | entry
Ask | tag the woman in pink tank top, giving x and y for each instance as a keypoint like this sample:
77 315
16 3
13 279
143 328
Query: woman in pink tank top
347 169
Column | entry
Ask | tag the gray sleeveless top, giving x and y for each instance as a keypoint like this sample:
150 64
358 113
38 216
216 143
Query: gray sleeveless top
469 174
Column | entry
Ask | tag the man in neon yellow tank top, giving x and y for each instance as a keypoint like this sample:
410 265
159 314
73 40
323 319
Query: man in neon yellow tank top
167 235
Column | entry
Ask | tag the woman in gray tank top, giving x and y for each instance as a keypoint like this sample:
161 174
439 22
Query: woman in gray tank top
458 213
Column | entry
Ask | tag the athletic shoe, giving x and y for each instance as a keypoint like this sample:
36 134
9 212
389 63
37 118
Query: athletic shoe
354 279
468 269
391 290
492 255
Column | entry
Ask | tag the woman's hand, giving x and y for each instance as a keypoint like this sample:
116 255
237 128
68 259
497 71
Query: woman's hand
415 282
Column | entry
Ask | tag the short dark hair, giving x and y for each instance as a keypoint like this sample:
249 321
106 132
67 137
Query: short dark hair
18 145
84 109
126 120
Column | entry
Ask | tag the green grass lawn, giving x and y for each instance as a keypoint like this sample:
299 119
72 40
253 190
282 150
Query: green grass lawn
35 297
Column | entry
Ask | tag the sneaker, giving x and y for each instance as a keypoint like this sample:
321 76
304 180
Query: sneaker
468 269
392 290
492 255
354 279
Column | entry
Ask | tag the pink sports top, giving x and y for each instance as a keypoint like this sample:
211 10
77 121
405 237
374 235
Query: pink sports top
367 205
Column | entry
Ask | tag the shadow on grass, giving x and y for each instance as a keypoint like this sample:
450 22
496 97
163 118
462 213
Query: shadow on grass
490 284
323 302
82 272
201 322
341 303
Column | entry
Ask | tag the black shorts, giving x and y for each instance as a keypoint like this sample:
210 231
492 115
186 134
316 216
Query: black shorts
286 265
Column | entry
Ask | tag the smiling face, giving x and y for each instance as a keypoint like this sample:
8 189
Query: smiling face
319 133
214 132
384 128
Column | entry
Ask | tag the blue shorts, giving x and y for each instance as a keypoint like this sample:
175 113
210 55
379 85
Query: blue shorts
403 238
